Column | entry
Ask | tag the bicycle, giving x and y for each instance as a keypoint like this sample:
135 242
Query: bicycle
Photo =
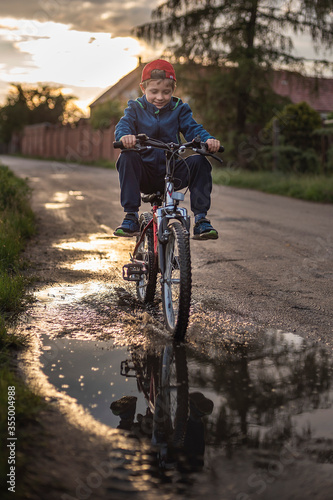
163 245
173 420
162 378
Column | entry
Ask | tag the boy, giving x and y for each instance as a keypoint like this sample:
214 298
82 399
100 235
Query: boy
159 115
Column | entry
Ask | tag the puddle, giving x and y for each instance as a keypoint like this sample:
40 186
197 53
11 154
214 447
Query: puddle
89 372
230 398
260 394
90 310
99 253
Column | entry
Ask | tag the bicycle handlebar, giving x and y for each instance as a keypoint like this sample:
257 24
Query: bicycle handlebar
118 145
196 145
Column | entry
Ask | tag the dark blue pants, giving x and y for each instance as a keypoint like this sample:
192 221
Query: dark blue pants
137 176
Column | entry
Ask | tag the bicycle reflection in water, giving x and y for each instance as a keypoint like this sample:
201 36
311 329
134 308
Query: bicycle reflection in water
174 417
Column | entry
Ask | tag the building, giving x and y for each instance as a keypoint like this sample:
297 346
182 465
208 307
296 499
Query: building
125 89
317 92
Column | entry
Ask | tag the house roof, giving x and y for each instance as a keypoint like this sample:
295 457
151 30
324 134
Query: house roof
317 92
127 83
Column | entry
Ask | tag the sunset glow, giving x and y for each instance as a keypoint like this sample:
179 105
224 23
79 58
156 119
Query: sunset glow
53 53
83 47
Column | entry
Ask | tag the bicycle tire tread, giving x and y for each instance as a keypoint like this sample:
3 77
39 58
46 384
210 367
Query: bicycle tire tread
182 237
149 295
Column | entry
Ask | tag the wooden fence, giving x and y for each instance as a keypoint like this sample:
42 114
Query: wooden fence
80 143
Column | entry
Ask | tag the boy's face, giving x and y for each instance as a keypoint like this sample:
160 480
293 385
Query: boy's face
158 92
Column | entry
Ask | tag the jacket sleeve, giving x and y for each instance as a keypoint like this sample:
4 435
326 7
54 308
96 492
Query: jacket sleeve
127 125
189 127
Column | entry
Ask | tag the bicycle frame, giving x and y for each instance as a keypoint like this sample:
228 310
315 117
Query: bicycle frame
164 386
163 244
161 216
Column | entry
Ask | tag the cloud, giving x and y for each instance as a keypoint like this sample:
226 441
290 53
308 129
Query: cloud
86 44
101 16
12 57
52 53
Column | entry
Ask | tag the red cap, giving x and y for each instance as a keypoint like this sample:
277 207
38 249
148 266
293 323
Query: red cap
158 64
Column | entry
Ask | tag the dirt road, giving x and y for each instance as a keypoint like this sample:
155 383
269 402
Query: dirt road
270 270
272 265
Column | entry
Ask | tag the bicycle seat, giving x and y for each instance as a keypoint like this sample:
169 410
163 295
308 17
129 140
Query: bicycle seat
152 198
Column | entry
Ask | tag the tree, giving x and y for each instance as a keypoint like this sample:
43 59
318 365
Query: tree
297 122
27 106
297 141
246 35
213 95
104 114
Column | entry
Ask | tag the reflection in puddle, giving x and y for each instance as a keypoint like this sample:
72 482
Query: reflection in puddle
70 293
99 252
259 394
88 372
56 206
77 195
59 202
60 199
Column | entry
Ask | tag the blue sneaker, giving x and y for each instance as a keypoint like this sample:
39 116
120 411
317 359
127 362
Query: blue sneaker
129 227
203 230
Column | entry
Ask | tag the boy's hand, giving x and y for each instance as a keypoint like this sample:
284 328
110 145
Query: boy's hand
213 145
128 141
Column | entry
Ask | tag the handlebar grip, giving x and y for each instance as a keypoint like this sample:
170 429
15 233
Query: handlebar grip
220 150
118 145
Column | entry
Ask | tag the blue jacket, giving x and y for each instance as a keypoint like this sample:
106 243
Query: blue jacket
142 117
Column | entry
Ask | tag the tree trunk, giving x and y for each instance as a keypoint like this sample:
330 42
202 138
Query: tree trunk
246 68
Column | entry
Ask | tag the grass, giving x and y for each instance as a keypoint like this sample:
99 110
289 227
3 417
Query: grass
16 226
317 188
27 406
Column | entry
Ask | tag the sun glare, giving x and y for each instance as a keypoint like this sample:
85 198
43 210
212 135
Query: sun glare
52 52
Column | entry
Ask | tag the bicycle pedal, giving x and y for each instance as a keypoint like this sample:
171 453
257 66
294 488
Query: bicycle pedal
134 271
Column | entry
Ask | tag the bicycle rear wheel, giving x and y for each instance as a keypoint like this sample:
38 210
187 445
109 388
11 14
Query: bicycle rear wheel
177 280
145 288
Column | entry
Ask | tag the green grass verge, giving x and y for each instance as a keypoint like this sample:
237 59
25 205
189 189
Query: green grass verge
16 226
306 187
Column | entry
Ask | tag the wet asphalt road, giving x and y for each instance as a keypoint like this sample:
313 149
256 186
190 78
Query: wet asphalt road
258 347
273 262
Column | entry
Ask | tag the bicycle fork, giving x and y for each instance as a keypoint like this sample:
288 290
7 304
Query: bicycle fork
163 233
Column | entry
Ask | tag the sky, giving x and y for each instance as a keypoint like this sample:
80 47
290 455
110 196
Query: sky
82 46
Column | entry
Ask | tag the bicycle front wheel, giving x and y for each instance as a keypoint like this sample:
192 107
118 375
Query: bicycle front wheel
176 282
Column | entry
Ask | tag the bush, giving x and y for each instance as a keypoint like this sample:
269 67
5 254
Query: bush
105 114
287 159
297 123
